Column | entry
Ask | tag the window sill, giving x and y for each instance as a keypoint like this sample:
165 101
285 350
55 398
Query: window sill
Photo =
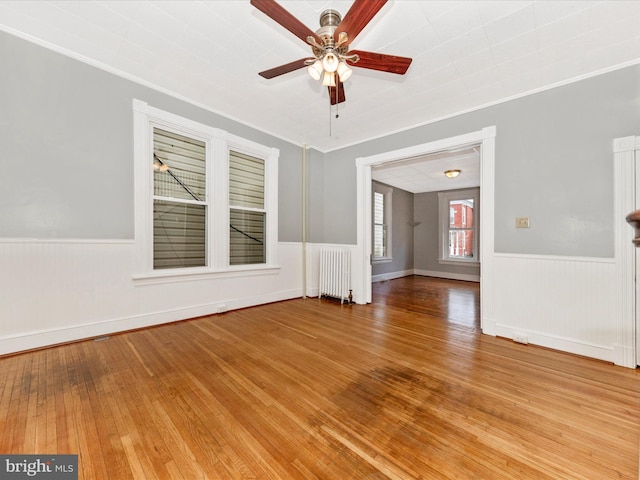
172 276
465 263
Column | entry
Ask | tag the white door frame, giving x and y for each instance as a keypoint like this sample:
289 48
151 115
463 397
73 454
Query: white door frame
362 262
626 155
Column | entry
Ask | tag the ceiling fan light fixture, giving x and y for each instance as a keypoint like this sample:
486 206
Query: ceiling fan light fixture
315 70
344 71
330 61
329 79
330 45
452 173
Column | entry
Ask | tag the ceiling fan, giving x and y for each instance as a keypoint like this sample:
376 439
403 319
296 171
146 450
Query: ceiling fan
330 45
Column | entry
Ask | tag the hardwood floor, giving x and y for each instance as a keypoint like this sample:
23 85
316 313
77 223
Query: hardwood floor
404 388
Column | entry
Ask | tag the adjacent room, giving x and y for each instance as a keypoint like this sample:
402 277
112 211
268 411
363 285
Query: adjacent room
320 239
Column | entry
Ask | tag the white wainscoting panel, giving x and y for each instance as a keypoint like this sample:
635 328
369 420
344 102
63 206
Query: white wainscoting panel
565 303
60 291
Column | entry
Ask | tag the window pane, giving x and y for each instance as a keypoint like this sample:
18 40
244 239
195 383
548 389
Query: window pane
461 243
461 213
378 207
379 226
179 235
246 181
379 241
246 237
179 166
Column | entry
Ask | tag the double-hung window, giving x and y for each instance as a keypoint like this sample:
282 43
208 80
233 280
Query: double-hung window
382 196
206 200
247 216
458 224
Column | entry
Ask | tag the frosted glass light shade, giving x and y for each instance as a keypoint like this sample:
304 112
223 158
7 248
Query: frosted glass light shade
344 72
330 62
315 70
329 79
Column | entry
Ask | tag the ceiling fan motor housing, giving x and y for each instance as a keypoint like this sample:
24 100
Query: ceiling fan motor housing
329 21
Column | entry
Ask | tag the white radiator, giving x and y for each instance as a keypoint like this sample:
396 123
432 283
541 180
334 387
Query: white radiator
335 273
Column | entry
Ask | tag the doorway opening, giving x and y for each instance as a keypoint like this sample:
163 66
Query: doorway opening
485 140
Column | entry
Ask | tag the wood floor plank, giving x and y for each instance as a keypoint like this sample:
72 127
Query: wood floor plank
403 388
16 424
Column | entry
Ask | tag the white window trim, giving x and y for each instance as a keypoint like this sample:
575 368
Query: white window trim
388 207
218 145
443 225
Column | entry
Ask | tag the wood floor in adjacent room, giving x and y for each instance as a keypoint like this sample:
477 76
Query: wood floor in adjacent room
404 388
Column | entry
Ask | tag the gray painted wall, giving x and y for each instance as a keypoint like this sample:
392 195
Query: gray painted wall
67 135
315 196
339 208
67 161
425 208
554 163
401 234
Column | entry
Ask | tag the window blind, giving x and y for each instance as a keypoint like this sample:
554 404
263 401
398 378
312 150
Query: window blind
247 216
379 227
179 205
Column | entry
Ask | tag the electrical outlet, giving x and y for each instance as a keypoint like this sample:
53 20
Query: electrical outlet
520 338
522 222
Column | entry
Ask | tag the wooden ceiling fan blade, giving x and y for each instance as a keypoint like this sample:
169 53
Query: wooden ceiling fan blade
358 16
336 94
281 16
282 69
381 62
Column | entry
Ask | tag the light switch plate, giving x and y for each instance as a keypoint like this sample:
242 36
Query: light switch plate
522 222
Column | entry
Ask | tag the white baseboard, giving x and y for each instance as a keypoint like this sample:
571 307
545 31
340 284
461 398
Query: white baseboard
54 336
448 275
424 273
557 343
624 356
390 276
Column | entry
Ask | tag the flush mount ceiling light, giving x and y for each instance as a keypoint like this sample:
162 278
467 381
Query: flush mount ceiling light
452 173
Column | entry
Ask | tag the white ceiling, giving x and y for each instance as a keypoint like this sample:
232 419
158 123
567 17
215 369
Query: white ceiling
465 54
426 172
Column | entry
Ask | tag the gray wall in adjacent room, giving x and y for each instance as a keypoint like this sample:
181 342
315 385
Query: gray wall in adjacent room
554 164
426 248
66 129
401 234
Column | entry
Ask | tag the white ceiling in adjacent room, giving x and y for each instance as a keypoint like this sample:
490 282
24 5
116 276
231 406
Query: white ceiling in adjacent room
426 172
